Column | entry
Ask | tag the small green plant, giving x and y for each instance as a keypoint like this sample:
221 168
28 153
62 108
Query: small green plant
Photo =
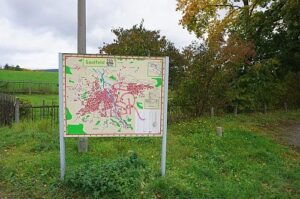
25 112
120 178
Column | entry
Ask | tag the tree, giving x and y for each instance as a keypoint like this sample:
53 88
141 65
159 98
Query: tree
18 68
204 17
138 41
271 25
6 67
273 29
211 67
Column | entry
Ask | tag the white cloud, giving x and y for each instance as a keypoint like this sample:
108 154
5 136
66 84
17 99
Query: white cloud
31 48
33 32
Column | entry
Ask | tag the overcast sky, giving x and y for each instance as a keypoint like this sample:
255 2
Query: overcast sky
32 32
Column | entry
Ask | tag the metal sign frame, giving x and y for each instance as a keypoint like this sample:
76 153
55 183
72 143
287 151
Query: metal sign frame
62 123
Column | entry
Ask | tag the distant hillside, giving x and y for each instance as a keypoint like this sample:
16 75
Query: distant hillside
48 70
35 76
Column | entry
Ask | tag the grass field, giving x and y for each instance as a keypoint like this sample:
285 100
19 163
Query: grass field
36 76
26 82
247 162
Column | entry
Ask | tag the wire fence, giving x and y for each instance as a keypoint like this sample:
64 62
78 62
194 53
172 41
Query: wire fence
176 113
28 87
34 113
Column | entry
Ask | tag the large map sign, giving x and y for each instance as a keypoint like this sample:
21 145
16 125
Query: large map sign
113 95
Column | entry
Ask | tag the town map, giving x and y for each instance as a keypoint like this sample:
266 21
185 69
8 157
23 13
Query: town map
113 95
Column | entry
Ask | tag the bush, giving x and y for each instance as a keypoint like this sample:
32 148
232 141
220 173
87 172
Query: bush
120 178
25 112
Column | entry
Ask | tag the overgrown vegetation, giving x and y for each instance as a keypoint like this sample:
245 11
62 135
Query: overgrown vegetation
246 162
121 177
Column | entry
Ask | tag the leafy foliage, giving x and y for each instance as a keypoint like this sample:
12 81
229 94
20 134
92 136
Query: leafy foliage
210 70
24 111
122 177
250 50
269 28
138 41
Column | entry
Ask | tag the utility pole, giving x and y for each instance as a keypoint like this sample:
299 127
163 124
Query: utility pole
81 28
81 49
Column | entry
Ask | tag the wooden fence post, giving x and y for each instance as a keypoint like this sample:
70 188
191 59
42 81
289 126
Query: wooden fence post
212 111
265 108
285 107
29 89
43 115
17 110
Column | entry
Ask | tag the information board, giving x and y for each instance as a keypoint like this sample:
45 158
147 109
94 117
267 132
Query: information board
113 95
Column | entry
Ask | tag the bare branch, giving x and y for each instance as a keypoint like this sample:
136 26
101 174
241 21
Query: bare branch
225 5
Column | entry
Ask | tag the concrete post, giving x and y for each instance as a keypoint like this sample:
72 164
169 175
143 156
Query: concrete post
81 49
219 131
81 29
17 110
83 145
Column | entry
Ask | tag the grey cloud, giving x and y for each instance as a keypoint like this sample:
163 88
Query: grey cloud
55 16
58 19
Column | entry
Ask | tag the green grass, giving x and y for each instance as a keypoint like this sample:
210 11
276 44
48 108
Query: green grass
37 100
28 81
247 162
35 76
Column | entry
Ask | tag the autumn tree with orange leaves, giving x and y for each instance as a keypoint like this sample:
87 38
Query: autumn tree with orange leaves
268 28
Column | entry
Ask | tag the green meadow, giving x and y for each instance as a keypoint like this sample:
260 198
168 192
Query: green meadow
35 76
252 160
22 90
38 100
249 161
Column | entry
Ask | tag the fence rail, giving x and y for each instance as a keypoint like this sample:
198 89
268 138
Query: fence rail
7 109
40 112
28 87
11 110
180 113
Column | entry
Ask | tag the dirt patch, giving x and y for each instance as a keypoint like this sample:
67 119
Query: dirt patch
294 136
290 134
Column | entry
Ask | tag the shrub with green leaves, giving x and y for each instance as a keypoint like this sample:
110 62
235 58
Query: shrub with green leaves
121 178
25 112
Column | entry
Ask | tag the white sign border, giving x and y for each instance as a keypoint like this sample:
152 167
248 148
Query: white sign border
164 96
